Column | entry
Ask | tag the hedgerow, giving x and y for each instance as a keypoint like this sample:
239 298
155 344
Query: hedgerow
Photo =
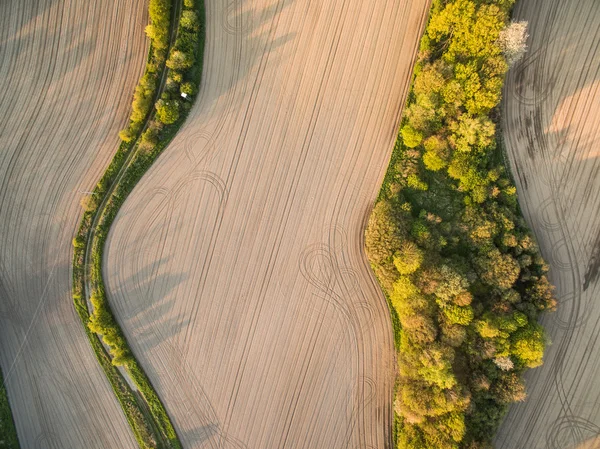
143 141
447 241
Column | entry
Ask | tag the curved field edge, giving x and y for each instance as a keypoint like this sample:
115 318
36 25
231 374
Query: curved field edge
147 134
8 432
446 239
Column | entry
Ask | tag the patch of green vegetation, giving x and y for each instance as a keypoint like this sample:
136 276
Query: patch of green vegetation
446 239
143 141
8 432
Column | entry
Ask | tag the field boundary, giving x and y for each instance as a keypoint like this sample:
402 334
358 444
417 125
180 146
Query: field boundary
163 109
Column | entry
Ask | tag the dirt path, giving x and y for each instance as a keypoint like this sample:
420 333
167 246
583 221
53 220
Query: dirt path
552 118
67 69
236 266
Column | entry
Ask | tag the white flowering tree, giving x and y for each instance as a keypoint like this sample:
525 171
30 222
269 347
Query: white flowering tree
513 41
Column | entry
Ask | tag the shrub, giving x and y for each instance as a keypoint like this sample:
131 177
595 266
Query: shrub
79 242
167 111
180 60
127 134
189 20
8 432
189 89
89 202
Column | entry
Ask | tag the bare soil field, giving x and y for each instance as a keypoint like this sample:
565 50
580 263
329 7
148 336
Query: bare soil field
236 267
67 70
551 120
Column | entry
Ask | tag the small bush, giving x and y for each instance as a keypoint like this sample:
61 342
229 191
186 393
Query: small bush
167 111
88 202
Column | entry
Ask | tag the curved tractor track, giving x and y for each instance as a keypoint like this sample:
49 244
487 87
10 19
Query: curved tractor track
551 118
236 266
67 70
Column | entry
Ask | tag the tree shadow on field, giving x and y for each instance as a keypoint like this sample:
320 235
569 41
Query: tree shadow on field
57 63
45 356
152 320
240 39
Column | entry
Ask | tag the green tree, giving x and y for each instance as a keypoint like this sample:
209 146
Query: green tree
497 269
528 343
189 20
412 138
509 388
471 133
167 111
382 241
408 259
180 60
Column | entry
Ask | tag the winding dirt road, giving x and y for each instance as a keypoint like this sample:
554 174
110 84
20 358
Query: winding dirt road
551 120
236 266
67 69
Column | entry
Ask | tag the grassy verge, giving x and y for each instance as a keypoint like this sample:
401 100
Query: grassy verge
8 432
462 273
158 111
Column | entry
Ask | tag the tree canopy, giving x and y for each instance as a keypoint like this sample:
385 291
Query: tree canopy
448 245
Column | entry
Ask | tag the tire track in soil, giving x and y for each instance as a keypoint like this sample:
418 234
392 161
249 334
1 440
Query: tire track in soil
67 69
551 110
258 316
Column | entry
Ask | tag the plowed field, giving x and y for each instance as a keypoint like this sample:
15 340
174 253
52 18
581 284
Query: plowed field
236 267
67 71
551 120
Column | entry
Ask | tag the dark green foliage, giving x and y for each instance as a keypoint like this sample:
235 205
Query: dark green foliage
447 242
8 432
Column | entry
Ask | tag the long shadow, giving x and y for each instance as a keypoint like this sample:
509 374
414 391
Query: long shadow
38 141
153 310
249 36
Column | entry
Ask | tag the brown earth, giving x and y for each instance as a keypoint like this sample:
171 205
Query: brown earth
552 122
67 70
236 267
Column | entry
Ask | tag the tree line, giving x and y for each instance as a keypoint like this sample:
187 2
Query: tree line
463 274
151 126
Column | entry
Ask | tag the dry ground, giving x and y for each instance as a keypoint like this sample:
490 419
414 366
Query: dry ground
67 71
236 267
552 123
